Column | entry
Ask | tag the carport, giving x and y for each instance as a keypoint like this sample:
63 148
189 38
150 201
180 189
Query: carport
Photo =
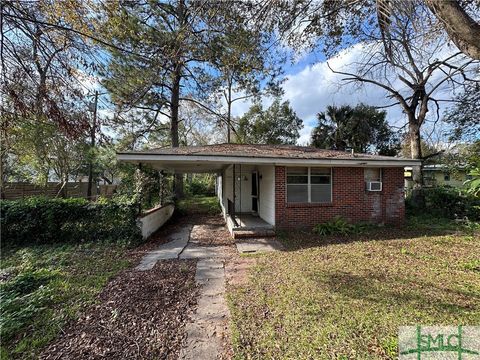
240 182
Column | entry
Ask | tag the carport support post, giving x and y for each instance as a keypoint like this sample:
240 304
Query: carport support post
139 186
233 197
161 183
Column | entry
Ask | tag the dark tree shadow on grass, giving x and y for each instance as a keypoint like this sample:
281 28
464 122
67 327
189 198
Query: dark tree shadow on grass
299 240
397 292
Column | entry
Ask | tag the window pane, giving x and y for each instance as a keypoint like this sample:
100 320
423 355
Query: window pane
320 179
321 193
320 171
372 174
297 179
297 193
297 171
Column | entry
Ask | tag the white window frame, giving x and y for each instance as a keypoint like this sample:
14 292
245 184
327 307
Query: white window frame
309 185
380 171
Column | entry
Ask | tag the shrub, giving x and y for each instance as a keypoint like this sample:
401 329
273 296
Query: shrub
42 220
200 186
448 202
337 225
340 226
473 184
143 186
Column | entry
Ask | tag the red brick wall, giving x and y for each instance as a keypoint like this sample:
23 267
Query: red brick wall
349 200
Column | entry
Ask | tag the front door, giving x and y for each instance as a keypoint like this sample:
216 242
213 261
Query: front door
255 192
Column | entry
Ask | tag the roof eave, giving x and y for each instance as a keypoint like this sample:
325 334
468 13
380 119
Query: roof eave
280 161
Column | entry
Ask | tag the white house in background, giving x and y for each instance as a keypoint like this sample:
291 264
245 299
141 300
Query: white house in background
438 175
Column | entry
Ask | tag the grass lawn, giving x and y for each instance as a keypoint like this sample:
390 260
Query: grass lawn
199 204
43 286
344 298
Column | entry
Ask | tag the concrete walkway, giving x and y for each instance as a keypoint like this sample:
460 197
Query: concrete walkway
193 251
258 245
170 250
207 331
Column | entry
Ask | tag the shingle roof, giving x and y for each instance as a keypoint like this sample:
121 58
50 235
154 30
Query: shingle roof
263 151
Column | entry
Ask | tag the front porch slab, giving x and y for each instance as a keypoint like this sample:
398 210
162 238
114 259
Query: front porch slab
249 221
249 226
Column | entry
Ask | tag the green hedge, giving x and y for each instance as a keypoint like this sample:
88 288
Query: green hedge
42 220
200 186
448 202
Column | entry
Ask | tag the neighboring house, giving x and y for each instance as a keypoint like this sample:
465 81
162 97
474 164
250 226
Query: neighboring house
438 175
285 186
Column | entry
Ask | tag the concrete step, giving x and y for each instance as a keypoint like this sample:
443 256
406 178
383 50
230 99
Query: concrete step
258 245
249 234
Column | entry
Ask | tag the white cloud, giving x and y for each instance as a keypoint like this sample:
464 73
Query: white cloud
305 133
240 107
315 87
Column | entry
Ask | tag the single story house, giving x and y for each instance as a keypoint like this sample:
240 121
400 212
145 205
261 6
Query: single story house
287 186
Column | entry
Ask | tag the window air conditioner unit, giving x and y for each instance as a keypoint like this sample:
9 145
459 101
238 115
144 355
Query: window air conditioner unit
374 186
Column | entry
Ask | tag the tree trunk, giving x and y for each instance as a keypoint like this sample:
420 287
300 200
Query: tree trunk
174 105
93 131
416 153
460 27
229 112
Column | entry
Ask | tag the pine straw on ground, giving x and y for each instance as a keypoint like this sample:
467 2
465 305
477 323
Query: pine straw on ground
140 315
210 230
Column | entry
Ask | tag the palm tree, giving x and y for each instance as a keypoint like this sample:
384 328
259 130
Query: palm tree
361 128
330 132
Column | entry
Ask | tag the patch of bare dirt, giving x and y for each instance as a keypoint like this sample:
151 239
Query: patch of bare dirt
210 231
140 315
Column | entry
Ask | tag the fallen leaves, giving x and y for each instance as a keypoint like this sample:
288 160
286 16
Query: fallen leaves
140 315
210 231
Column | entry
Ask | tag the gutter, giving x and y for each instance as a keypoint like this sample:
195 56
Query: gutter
279 161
